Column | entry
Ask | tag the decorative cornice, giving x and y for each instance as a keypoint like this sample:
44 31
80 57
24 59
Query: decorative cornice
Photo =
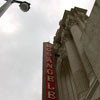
69 19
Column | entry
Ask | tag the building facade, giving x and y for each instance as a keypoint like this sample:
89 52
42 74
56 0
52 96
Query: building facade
77 55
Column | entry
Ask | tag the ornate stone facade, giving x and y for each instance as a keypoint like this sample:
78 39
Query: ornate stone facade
77 71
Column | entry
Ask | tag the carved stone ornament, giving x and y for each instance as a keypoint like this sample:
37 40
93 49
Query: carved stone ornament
62 52
56 47
70 22
66 35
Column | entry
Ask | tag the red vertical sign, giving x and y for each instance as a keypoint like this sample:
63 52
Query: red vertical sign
50 83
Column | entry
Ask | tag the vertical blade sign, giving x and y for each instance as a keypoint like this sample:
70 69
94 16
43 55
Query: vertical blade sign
50 82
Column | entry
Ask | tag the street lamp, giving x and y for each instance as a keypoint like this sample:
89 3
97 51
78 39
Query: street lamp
24 6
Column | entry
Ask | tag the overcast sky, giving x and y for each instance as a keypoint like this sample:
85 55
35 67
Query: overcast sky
21 43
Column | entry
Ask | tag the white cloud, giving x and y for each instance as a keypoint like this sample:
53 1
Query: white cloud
8 24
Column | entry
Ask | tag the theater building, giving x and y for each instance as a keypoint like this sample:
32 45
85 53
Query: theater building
71 65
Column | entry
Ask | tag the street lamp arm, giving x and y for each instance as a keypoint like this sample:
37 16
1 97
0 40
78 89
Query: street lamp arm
15 1
24 6
5 6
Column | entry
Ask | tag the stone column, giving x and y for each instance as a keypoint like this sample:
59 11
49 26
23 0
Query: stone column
68 79
58 71
77 33
77 68
64 84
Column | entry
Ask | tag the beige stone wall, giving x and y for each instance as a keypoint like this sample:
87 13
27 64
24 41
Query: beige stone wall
91 39
71 75
96 94
78 65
